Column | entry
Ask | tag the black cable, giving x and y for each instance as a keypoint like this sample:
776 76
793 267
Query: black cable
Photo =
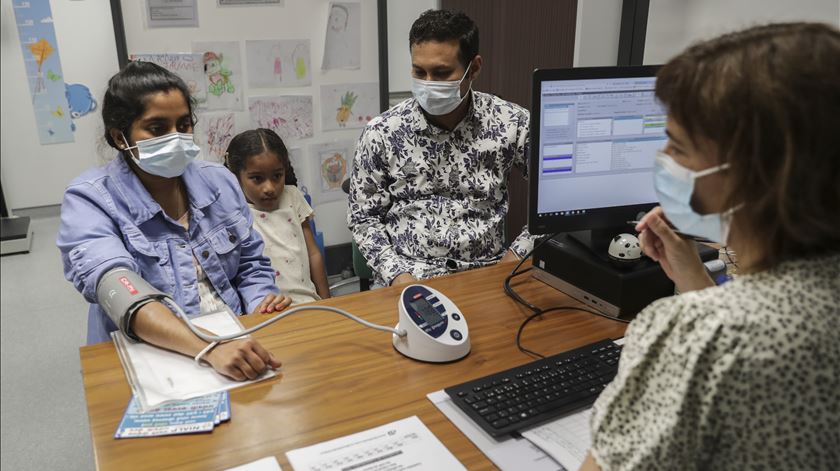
514 273
557 308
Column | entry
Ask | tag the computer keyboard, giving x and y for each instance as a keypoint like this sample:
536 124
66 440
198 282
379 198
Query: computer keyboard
529 394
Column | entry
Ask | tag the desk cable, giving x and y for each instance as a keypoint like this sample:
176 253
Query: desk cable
536 311
224 338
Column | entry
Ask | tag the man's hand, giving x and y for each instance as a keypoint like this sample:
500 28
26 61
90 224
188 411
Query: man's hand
273 303
403 279
241 359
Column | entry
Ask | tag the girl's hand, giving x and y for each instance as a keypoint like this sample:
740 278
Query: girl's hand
273 303
241 359
678 257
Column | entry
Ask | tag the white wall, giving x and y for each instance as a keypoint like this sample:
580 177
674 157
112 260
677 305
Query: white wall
35 174
596 32
298 19
675 24
401 15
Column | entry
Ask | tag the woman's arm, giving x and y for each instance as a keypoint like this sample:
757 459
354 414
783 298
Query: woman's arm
238 359
316 262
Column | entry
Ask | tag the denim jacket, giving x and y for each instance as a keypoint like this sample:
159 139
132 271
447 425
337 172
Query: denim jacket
109 219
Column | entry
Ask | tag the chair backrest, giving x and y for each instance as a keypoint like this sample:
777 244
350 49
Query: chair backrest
319 236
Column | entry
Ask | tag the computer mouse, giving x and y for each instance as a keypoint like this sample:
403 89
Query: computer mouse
625 250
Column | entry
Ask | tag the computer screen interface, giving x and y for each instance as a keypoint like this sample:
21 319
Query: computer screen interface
596 144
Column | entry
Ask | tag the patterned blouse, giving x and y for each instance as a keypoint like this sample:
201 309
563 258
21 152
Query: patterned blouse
427 201
741 376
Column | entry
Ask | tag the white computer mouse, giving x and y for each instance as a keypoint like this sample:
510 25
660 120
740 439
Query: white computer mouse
625 249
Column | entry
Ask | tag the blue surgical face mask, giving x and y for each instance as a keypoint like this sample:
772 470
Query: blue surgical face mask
674 186
165 156
439 97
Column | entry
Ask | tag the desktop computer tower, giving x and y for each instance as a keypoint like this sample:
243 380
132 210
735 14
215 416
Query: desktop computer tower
570 266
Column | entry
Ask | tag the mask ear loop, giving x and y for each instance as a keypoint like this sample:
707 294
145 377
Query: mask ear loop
128 148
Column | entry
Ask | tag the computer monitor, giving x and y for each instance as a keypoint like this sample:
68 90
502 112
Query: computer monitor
594 136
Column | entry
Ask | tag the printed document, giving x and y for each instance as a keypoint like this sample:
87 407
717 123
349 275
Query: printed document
401 445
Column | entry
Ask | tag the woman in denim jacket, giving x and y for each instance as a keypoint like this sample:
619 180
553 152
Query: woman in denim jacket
181 225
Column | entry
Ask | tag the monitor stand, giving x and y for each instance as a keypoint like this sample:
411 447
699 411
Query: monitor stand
578 265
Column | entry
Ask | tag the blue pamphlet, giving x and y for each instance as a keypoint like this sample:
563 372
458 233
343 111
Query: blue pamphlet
198 415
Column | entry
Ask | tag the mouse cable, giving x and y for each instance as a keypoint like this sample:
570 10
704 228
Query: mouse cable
515 272
552 309
223 338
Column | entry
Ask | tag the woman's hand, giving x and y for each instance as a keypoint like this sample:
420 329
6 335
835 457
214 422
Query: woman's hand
241 359
273 303
678 257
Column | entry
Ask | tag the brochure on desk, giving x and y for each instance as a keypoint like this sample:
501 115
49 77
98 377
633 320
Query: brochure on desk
158 376
198 415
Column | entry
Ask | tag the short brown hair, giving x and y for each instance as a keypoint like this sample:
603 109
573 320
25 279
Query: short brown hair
768 99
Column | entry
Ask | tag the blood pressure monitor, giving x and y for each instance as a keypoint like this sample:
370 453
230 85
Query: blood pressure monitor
436 330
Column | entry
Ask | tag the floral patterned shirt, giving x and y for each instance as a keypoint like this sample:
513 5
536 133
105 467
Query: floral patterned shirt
427 201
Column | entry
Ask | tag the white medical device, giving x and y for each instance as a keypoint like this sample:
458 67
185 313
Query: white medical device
436 330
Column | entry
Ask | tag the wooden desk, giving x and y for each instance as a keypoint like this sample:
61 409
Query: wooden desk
340 378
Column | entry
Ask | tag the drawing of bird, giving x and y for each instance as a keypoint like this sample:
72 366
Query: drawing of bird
59 112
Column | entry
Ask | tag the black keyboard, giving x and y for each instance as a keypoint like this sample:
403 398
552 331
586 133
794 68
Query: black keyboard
515 399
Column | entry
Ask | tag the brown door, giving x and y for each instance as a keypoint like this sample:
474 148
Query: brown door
516 37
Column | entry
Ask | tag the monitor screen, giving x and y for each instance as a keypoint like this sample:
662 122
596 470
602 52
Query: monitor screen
594 137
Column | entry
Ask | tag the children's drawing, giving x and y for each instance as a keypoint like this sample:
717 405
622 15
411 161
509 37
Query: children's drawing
342 47
215 131
190 67
346 108
334 163
43 70
288 116
222 74
80 101
218 75
274 63
349 105
333 170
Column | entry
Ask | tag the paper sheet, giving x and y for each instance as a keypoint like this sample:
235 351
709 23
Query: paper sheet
334 161
511 454
186 65
278 63
401 445
213 134
289 116
348 105
264 464
222 67
343 43
566 439
159 376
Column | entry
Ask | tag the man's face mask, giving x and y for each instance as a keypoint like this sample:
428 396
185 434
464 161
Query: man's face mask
165 156
439 97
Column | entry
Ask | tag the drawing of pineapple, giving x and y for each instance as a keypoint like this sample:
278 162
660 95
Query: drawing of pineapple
346 108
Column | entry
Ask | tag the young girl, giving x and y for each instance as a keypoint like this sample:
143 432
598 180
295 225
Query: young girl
260 161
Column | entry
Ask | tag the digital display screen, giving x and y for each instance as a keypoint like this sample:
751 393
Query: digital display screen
426 311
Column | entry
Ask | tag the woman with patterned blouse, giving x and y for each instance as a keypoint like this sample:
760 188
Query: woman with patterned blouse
428 193
745 375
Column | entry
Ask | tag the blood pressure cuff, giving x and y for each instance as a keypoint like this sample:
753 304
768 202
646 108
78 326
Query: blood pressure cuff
121 292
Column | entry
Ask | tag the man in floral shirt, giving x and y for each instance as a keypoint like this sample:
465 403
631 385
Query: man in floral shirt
428 193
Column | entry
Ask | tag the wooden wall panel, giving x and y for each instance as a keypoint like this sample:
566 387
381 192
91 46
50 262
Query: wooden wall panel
516 37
